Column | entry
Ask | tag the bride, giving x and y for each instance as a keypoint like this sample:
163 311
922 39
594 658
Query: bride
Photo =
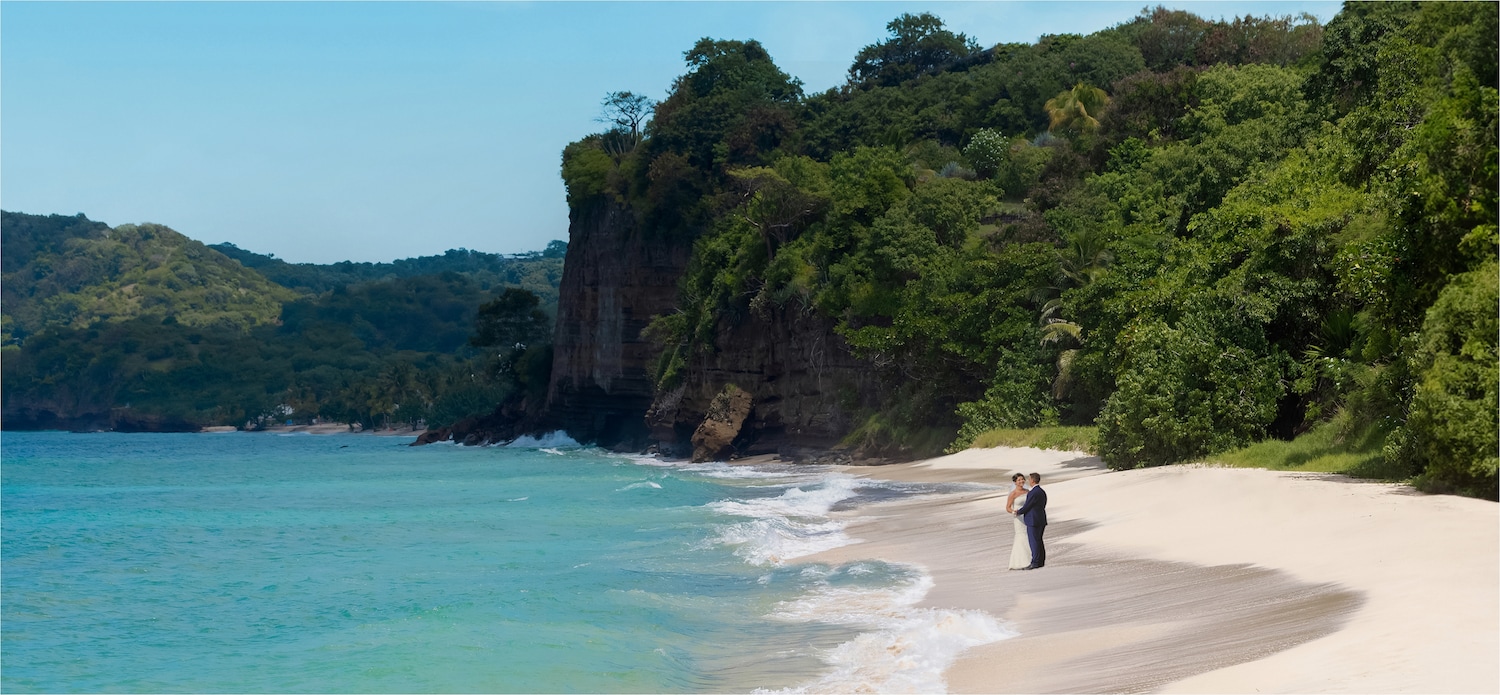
1020 550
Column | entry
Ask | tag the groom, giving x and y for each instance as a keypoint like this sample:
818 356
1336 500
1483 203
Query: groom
1034 514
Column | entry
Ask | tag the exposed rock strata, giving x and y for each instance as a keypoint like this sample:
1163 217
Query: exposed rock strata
805 385
616 277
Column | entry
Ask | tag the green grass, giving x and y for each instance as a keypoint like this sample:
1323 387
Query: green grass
1335 446
1329 447
1061 438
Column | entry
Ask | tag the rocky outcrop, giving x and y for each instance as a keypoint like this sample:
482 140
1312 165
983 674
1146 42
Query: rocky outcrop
505 423
721 425
616 277
805 386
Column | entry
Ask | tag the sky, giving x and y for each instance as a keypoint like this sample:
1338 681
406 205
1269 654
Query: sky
371 131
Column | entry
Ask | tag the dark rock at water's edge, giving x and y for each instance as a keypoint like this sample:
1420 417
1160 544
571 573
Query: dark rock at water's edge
721 424
504 424
441 434
806 388
112 420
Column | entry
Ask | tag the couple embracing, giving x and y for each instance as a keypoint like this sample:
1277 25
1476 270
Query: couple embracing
1029 507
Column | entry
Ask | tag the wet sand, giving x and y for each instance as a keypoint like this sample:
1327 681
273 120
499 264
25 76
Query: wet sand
1201 579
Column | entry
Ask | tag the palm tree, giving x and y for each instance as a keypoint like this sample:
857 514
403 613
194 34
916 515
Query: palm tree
1082 261
1077 109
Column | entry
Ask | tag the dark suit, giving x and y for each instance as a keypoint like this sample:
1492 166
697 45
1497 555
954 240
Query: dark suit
1034 514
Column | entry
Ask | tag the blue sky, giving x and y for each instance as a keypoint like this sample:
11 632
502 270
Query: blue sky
371 131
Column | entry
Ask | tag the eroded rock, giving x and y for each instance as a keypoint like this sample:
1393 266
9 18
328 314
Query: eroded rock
721 424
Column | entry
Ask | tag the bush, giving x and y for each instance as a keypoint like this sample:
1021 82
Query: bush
1187 391
988 150
1452 426
1016 398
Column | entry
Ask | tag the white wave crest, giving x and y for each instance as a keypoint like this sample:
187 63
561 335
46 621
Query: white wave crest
637 486
732 471
813 501
792 525
551 440
784 472
906 650
775 541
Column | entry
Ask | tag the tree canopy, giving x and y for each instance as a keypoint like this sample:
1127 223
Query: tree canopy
1194 234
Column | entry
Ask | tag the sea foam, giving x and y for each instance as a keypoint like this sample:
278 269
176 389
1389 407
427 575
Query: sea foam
551 440
792 525
898 647
905 650
901 648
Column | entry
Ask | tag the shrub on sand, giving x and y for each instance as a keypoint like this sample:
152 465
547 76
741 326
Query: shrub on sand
1061 438
1339 445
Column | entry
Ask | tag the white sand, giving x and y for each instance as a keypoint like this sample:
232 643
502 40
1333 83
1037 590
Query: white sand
1196 579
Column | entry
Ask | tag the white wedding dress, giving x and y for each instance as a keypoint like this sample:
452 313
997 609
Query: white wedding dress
1020 550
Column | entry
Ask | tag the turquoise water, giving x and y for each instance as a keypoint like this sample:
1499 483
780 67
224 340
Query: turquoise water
353 563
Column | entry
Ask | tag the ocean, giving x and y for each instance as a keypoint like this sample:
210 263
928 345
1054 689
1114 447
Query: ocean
258 562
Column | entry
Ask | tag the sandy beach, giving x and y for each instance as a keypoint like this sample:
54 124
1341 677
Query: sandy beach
1202 579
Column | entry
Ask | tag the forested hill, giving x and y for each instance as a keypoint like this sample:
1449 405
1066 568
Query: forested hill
519 270
1190 234
73 272
139 327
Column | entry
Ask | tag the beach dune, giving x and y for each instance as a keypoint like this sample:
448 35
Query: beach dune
1203 579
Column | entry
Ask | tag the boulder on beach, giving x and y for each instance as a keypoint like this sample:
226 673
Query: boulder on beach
726 415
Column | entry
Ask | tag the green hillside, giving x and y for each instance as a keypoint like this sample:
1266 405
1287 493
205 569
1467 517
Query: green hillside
139 327
70 272
529 270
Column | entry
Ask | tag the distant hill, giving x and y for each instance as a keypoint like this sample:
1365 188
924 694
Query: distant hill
73 272
138 327
537 271
27 236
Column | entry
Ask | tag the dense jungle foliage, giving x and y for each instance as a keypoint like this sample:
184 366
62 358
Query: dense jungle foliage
139 317
1192 234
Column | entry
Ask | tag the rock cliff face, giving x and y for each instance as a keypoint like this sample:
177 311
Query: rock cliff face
615 278
804 383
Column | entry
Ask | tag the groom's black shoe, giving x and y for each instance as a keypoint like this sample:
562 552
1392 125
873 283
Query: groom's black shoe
1029 567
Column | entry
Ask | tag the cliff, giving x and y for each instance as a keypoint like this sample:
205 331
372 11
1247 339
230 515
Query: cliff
801 377
616 276
804 383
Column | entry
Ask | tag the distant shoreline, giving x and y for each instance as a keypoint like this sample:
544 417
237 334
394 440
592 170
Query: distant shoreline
321 428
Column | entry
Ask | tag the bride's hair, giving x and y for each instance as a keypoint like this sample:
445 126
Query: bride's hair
1018 475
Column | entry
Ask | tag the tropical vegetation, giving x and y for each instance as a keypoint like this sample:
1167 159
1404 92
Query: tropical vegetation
138 325
1193 235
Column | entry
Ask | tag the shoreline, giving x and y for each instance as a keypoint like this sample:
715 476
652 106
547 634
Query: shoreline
1200 579
321 428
